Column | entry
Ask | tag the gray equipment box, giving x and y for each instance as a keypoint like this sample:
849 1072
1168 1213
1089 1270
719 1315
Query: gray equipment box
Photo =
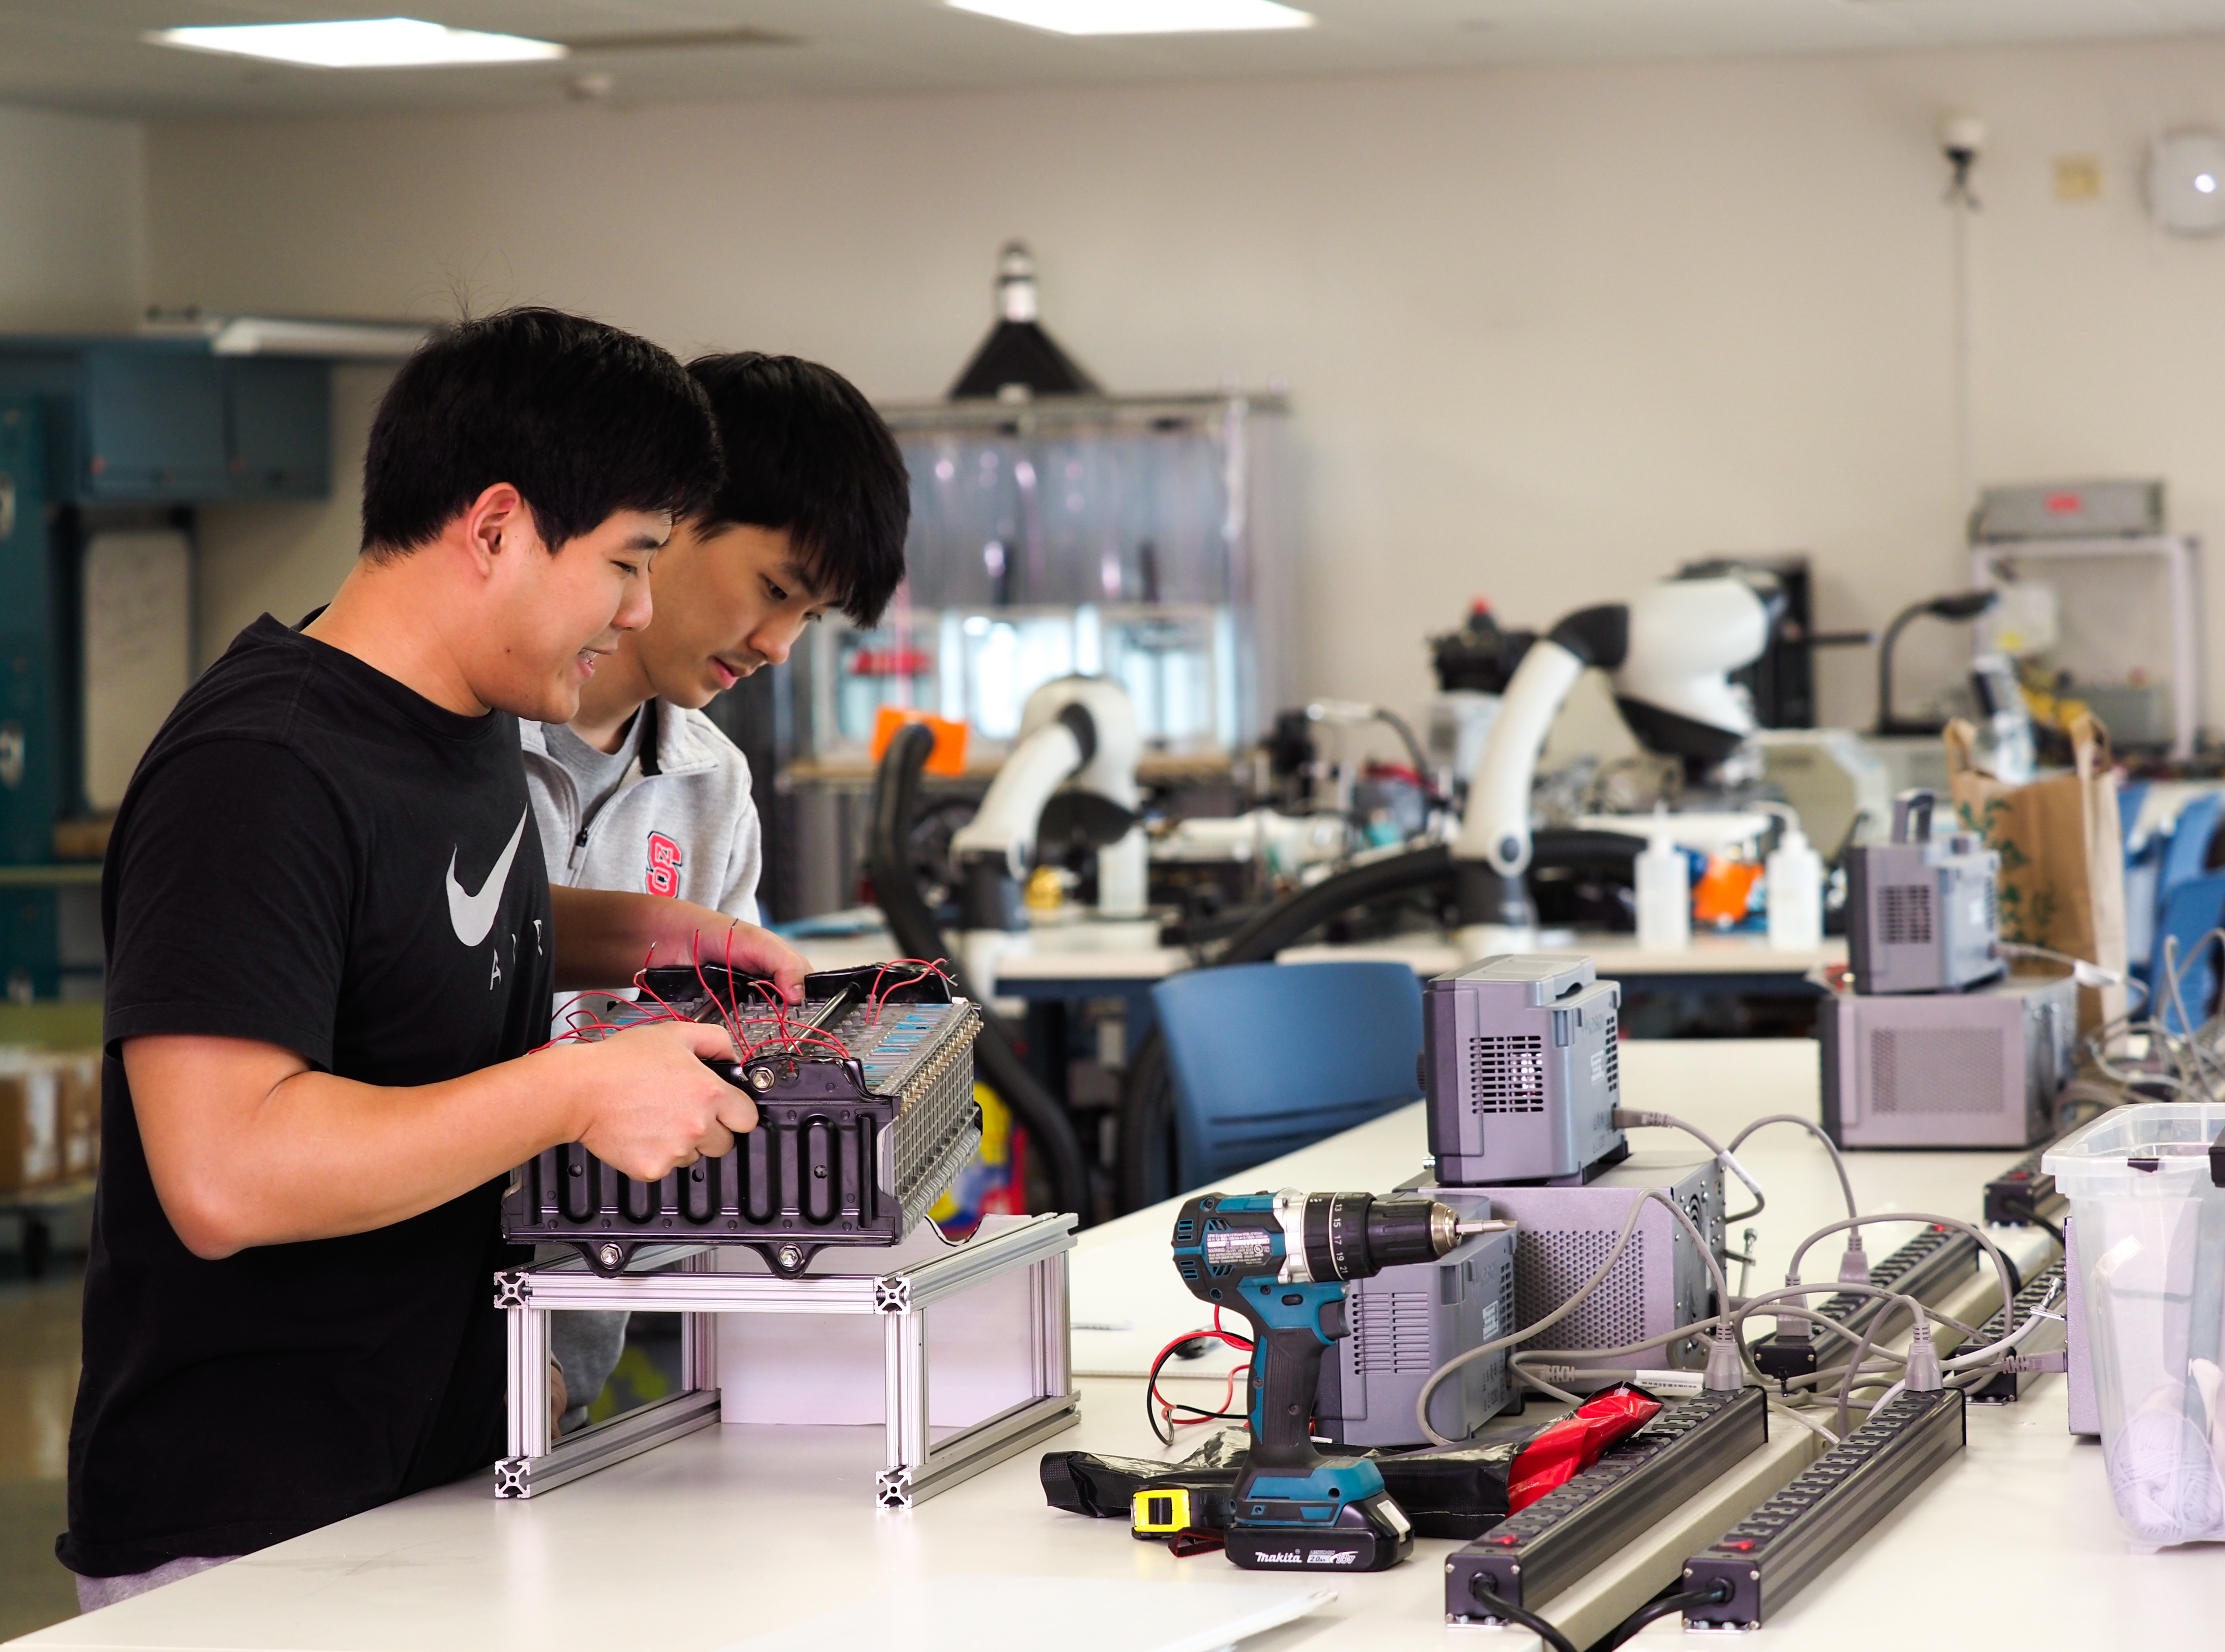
2069 510
1521 1069
1972 1069
1662 1281
1920 909
1406 1321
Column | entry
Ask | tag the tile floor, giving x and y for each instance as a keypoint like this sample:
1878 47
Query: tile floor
38 1383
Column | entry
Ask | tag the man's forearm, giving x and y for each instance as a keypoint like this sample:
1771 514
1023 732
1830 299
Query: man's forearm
604 936
320 1157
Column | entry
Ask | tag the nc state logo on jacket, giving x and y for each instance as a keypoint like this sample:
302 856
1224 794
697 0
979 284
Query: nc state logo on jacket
664 859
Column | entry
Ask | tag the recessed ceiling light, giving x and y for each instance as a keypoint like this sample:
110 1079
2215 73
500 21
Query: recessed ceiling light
361 43
1140 16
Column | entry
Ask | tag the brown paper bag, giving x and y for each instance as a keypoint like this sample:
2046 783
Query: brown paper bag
2063 855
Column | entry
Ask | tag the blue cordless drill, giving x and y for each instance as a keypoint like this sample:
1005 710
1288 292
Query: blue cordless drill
1281 1260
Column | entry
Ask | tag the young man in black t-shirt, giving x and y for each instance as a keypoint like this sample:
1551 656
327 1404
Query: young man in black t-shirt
332 943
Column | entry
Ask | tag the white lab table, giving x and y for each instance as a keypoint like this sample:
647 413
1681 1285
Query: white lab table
733 1531
1124 953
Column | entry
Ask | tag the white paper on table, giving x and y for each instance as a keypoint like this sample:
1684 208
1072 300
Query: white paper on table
1015 1614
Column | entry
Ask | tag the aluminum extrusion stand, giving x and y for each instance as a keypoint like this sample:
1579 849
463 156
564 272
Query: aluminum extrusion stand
683 1279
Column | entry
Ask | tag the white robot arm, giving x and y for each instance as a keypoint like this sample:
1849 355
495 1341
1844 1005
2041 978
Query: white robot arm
1670 651
1078 733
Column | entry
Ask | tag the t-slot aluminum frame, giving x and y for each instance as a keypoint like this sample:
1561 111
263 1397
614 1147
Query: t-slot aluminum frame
669 1279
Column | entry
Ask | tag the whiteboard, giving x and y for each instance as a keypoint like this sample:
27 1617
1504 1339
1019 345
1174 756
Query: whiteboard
138 650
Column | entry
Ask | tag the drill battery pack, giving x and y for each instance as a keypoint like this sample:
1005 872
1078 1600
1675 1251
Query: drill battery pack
1451 1492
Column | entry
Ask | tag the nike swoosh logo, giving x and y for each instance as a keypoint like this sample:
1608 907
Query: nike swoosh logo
473 914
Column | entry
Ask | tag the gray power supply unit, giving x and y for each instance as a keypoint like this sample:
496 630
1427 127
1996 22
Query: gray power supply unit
1969 1069
1563 1233
1521 1069
1408 1320
1920 912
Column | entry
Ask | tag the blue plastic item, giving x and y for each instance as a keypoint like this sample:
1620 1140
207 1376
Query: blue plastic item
1269 1058
2190 911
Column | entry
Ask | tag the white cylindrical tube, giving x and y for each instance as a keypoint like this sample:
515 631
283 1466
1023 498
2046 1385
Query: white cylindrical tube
1665 894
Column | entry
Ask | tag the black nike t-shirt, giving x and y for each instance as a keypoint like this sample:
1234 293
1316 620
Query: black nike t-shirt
311 855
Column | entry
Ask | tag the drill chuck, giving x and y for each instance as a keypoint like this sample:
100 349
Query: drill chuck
1356 1236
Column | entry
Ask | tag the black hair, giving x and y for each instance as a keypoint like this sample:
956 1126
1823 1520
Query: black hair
806 454
583 420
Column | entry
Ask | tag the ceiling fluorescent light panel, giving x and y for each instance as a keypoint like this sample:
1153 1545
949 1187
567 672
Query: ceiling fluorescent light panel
361 43
1140 16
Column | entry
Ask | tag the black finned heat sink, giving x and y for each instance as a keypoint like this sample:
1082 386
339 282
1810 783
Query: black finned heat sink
849 1149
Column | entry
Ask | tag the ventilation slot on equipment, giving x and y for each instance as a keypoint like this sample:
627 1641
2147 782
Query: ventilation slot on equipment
1391 1332
1506 1074
1549 1266
1907 915
1613 1056
1935 1070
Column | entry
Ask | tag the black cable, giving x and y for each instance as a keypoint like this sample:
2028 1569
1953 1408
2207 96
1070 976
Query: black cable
1514 1614
1714 1594
1152 1402
1414 753
896 795
1146 1095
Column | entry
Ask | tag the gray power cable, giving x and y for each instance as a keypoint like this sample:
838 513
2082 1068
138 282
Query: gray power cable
1576 1300
1838 1159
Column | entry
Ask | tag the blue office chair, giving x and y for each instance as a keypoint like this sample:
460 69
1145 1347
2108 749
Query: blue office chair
1269 1058
2192 910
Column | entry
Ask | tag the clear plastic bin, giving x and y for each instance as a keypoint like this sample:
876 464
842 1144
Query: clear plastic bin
2151 1236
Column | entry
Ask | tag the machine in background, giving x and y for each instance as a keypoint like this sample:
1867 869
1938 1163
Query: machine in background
2099 595
1070 779
1054 532
1920 909
1934 1047
1976 1069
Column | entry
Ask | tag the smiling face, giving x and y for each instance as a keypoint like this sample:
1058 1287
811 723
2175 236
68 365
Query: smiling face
726 602
559 616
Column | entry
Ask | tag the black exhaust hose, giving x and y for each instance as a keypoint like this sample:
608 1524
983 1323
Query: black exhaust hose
896 798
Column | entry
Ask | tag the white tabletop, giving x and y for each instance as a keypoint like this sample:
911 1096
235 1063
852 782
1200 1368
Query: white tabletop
735 1531
1129 951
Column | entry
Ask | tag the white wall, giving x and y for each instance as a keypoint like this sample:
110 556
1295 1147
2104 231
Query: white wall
73 230
1550 330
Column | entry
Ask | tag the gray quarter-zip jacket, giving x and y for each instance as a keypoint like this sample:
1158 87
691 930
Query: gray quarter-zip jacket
681 822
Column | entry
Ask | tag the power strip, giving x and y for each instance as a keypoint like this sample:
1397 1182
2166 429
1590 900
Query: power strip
1528 1557
1777 1550
2005 1387
2022 1192
1927 1268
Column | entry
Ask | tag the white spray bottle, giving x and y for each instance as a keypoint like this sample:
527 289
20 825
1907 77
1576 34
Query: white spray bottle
1664 892
1796 888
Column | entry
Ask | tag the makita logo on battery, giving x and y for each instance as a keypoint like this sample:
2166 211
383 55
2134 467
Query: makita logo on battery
1278 1557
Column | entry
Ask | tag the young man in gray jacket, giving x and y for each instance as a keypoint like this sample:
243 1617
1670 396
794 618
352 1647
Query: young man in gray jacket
640 791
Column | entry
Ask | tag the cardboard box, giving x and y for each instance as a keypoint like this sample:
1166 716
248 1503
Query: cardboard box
30 1125
81 1112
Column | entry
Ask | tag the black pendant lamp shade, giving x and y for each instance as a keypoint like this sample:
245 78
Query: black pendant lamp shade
1018 358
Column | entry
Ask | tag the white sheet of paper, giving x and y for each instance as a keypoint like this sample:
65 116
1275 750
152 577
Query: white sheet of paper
1074 1614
